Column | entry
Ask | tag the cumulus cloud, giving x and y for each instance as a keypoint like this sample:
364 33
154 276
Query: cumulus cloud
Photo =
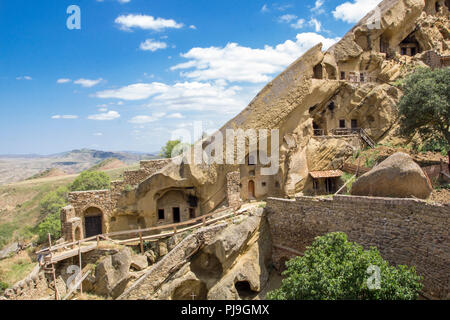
354 11
151 45
137 91
299 24
318 7
286 18
63 80
176 115
67 116
145 22
147 119
106 116
243 64
316 24
87 83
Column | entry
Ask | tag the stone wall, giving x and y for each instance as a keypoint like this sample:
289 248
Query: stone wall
406 231
153 166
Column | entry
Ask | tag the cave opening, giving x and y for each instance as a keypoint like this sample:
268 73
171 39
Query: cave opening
244 290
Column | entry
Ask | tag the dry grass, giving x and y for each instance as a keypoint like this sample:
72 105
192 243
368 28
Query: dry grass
16 268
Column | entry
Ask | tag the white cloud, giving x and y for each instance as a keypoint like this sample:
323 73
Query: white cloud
110 115
103 109
316 24
238 63
87 83
24 78
146 22
98 134
124 1
68 116
147 119
287 18
137 91
192 27
63 80
265 8
151 45
175 116
318 7
299 24
352 12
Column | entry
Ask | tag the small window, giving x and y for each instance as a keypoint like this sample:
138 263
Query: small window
354 123
342 124
161 215
277 184
404 52
413 51
251 160
263 184
113 219
361 77
342 75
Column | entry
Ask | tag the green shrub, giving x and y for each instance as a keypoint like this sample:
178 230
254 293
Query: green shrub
52 225
335 269
3 287
91 180
53 201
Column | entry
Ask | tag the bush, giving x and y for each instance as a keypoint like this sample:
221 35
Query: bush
3 287
335 269
52 225
54 201
90 180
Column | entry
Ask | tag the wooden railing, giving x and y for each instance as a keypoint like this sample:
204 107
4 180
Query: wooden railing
175 228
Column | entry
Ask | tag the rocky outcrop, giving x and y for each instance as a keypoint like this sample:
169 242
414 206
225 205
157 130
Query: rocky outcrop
398 177
112 274
224 261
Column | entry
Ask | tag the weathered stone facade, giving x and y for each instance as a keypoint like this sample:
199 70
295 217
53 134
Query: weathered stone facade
234 189
406 231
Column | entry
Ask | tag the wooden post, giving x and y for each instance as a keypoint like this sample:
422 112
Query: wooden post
204 220
49 242
175 230
98 241
54 282
79 262
141 242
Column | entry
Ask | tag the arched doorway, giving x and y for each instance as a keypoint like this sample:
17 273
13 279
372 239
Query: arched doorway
93 221
251 189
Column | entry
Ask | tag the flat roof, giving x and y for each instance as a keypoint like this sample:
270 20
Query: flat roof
326 174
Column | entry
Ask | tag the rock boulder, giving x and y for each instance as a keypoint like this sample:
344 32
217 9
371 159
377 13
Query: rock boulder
396 177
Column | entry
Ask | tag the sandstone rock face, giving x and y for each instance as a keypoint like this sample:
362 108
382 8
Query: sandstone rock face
113 273
227 261
398 177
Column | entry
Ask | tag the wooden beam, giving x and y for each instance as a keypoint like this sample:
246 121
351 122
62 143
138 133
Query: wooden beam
77 284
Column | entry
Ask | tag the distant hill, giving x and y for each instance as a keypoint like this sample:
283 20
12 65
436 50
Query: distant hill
108 164
54 172
20 167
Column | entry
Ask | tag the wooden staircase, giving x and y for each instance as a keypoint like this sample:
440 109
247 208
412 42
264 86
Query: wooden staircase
365 137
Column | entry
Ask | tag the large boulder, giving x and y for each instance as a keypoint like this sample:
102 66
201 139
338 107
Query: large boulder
113 273
397 177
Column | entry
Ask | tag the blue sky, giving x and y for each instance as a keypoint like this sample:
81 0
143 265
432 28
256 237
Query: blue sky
138 70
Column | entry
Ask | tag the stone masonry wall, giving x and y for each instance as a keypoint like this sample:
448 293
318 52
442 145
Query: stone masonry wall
84 199
406 231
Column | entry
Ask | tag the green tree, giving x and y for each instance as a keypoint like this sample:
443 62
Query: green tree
424 108
334 269
53 201
172 146
52 225
90 180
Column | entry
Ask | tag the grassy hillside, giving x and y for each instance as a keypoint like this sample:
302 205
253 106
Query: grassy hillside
19 204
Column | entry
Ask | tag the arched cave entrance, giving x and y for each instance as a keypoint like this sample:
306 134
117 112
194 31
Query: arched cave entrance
93 222
251 189
244 290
